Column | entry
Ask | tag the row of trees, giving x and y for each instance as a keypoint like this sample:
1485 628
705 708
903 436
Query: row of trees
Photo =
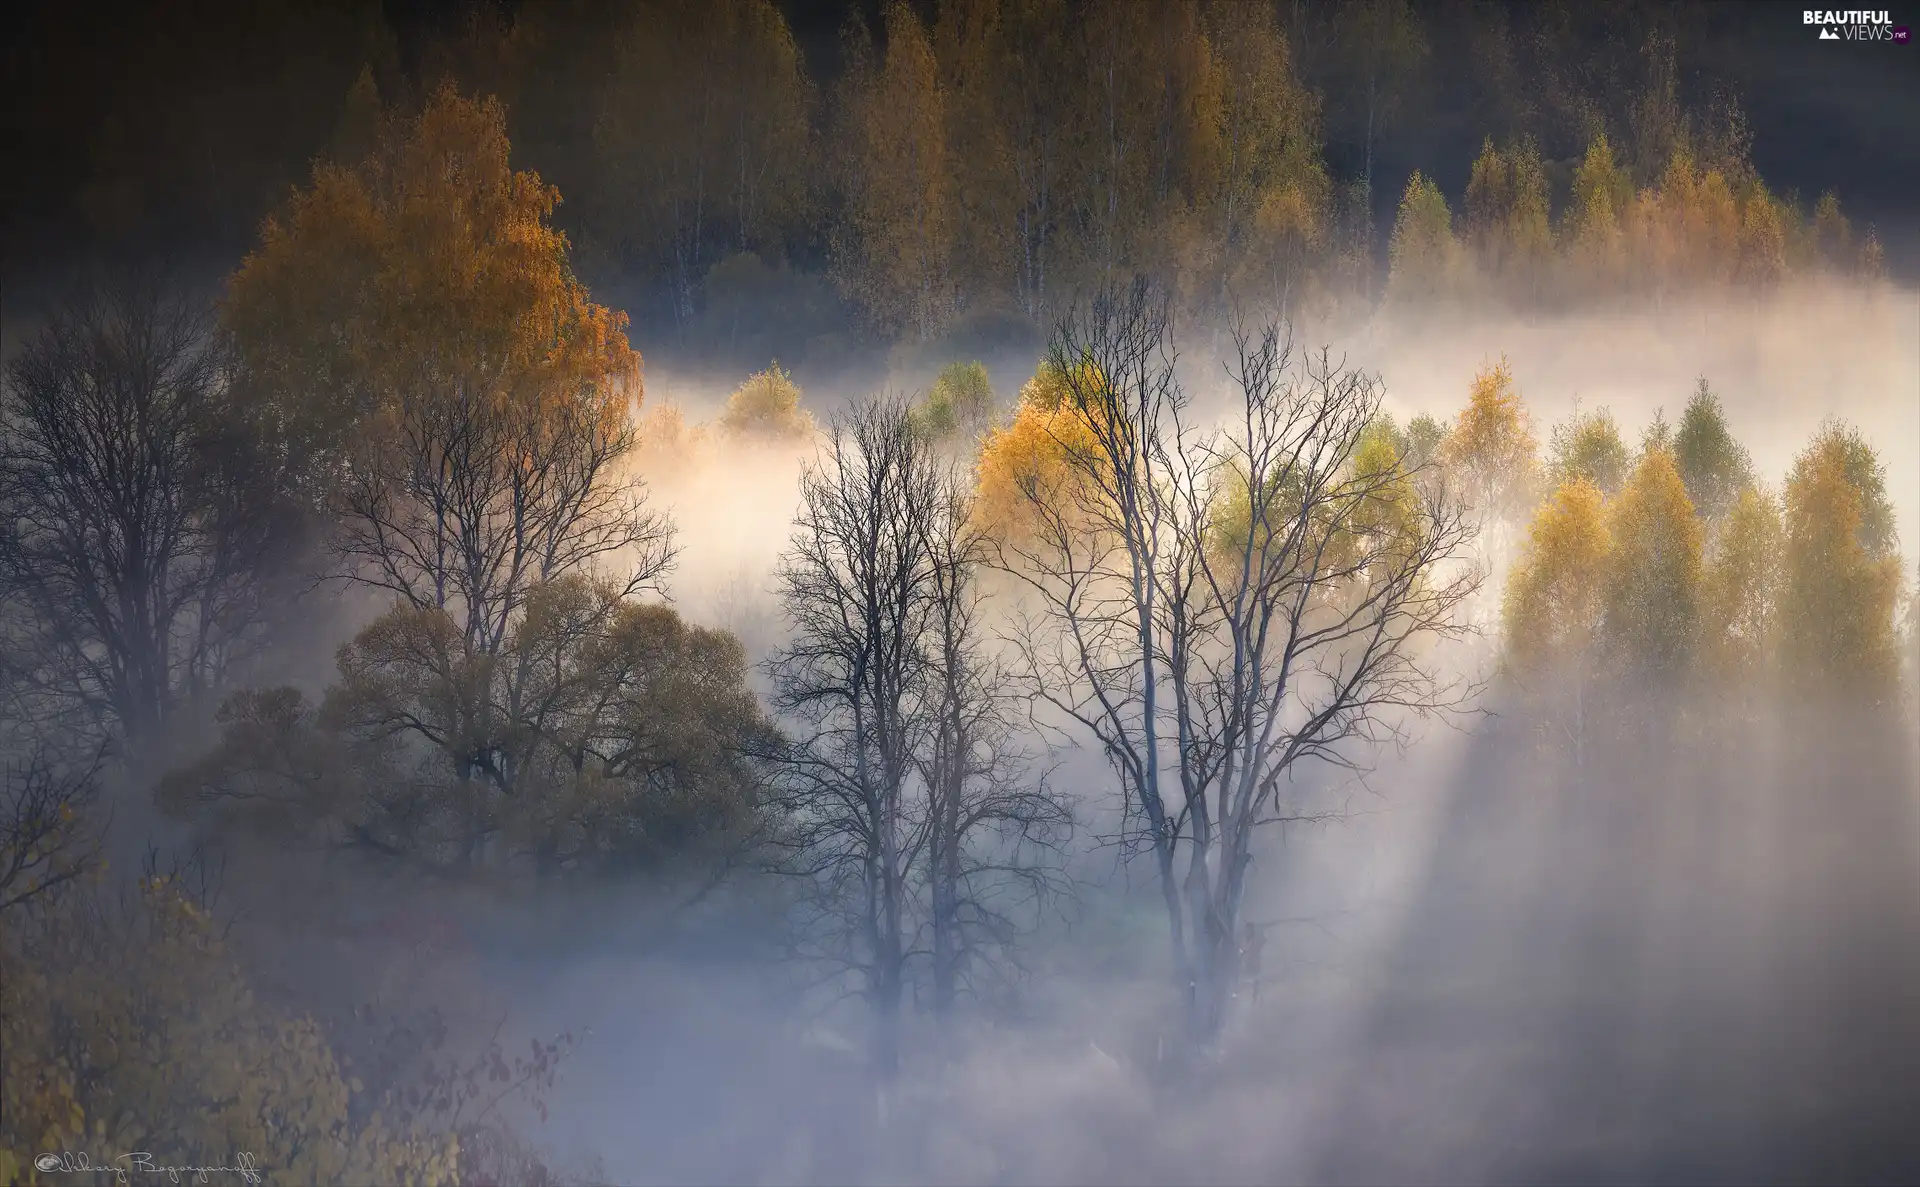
1706 219
950 161
1006 155
1002 156
434 399
408 391
1649 572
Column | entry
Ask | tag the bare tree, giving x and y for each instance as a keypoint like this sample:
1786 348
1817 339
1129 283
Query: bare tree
993 831
855 589
463 501
144 527
1221 606
914 819
48 832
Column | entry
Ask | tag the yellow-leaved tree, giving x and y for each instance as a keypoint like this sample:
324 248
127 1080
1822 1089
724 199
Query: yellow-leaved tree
1423 257
1556 599
1653 580
1840 578
1739 594
1507 221
1601 193
1491 448
1029 468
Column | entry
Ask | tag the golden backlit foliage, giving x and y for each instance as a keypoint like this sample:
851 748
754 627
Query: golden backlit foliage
1653 578
1592 225
1556 594
1508 219
425 275
1740 591
130 1026
667 442
1749 595
766 409
1368 520
1387 515
1703 218
1039 458
1491 448
1424 255
1840 580
1367 523
462 404
1004 156
1231 534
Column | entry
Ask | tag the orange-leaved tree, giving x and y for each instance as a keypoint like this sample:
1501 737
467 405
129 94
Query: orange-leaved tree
413 320
1028 469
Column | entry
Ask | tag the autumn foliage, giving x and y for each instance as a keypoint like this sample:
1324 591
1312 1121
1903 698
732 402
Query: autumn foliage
1030 462
425 275
1691 575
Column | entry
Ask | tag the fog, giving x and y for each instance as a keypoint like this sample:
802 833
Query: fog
339 770
1490 970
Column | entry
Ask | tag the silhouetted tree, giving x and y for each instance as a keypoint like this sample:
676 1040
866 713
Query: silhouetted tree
148 530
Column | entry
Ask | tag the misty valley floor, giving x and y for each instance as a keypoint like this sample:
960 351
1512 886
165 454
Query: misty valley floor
1703 977
1698 970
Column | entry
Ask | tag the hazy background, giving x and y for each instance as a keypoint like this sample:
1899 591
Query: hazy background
1492 971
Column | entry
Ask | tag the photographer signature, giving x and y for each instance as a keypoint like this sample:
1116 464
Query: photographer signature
70 1163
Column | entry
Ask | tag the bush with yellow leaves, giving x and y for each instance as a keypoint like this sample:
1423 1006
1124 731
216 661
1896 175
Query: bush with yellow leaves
766 408
126 1026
